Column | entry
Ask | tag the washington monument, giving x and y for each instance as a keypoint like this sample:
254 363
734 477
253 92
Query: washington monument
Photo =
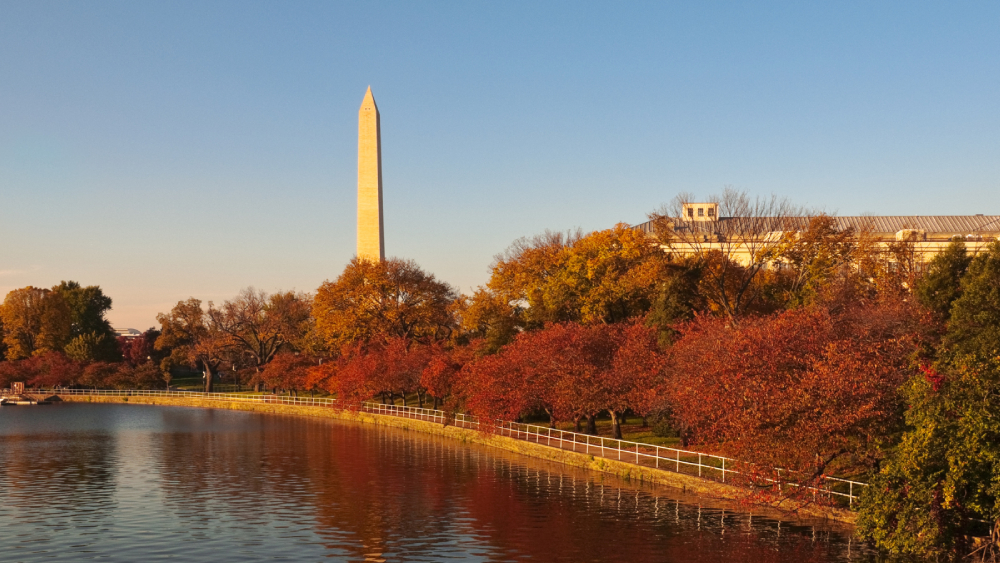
371 242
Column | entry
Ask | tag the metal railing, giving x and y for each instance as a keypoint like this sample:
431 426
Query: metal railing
700 464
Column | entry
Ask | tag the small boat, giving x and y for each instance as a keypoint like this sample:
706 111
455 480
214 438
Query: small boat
21 400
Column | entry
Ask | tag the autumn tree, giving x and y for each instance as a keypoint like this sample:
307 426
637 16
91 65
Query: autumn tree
192 338
487 317
635 380
521 275
496 388
140 349
604 277
44 369
804 390
288 370
440 376
813 259
35 321
257 326
735 246
375 301
568 370
357 376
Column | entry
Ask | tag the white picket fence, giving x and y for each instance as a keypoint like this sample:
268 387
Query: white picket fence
688 462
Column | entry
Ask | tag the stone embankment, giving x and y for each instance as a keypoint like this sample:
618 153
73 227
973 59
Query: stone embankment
626 470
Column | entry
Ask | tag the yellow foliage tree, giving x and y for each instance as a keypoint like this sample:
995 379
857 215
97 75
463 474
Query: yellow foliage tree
35 321
379 300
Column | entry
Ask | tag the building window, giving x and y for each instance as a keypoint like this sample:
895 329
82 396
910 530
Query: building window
701 212
690 212
711 212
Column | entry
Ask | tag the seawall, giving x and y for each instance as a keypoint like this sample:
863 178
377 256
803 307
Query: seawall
685 483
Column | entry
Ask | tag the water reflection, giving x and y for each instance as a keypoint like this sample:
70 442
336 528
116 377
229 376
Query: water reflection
122 483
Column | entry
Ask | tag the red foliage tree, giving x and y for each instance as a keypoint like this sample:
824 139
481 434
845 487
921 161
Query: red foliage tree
140 349
357 378
288 371
51 369
568 370
440 377
324 375
805 390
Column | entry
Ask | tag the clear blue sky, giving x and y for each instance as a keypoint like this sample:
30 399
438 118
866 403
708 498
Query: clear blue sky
164 150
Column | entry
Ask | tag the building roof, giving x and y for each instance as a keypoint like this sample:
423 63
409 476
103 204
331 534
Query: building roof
950 225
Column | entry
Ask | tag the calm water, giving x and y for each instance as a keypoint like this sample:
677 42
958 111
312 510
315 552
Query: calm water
139 483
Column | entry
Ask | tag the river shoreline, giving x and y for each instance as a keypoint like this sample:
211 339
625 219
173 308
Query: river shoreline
685 483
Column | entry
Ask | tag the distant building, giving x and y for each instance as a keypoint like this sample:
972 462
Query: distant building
700 229
127 332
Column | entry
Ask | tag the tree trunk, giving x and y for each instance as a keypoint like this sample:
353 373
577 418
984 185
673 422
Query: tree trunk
576 425
437 403
208 378
383 397
420 399
592 424
403 395
552 419
616 425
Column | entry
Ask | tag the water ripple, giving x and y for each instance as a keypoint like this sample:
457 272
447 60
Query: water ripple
129 482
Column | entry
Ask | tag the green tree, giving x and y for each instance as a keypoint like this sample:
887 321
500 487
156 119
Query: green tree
974 326
3 345
90 347
945 474
940 285
87 306
678 298
92 338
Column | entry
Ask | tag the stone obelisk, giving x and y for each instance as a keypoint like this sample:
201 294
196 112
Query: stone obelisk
371 242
